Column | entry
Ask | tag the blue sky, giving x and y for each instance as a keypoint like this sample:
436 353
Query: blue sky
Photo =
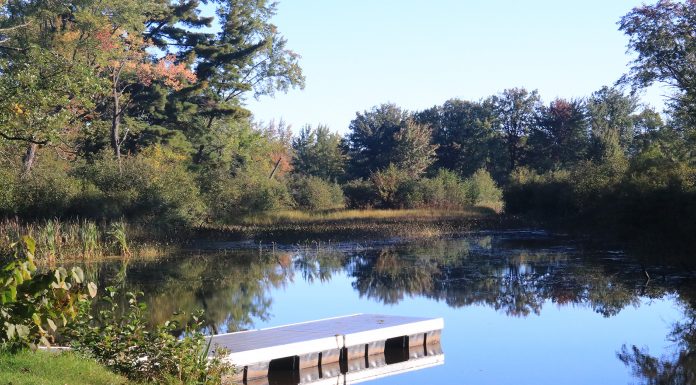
360 53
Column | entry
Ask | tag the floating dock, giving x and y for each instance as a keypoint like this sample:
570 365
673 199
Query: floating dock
320 351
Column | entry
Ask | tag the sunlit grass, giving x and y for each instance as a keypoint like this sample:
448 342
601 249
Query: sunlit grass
297 216
44 368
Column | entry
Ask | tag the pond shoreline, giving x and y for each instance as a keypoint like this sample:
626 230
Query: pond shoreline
80 240
64 241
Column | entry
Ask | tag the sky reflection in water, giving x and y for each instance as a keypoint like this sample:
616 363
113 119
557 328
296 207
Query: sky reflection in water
519 308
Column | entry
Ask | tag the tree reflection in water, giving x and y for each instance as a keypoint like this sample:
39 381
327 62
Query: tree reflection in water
232 288
517 282
677 368
517 276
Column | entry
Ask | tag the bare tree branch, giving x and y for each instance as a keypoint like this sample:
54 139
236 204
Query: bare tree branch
23 139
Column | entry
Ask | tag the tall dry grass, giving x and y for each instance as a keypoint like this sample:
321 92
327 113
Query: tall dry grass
307 217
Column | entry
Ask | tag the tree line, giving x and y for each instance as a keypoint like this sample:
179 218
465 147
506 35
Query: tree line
136 109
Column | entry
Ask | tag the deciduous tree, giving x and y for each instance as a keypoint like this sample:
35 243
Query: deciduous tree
318 152
515 111
560 137
612 123
663 36
465 135
387 135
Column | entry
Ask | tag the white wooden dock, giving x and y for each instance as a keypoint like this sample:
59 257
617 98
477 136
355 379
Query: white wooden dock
330 342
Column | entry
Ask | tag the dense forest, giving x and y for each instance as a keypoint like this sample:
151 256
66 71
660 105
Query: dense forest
136 109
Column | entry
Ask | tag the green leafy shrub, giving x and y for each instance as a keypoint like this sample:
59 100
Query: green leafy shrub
445 190
653 198
483 191
33 308
123 340
314 193
392 185
228 197
361 194
154 185
539 194
264 195
49 191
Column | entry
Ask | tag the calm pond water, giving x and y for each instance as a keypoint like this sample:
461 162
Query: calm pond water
519 307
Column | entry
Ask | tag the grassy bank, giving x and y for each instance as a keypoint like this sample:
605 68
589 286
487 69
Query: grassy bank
355 225
44 368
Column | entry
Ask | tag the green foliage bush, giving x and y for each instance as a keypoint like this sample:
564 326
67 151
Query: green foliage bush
49 191
396 188
654 196
392 185
562 193
530 192
228 197
445 190
361 194
483 191
154 185
314 193
123 340
34 307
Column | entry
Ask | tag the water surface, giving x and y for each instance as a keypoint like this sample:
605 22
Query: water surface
519 307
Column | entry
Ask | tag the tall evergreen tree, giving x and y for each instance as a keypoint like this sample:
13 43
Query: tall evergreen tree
145 54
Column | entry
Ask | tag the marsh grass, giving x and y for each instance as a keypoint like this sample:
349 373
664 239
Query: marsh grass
89 239
118 236
298 227
69 240
66 240
306 217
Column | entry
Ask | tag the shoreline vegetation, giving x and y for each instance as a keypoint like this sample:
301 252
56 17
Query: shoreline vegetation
63 241
61 307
